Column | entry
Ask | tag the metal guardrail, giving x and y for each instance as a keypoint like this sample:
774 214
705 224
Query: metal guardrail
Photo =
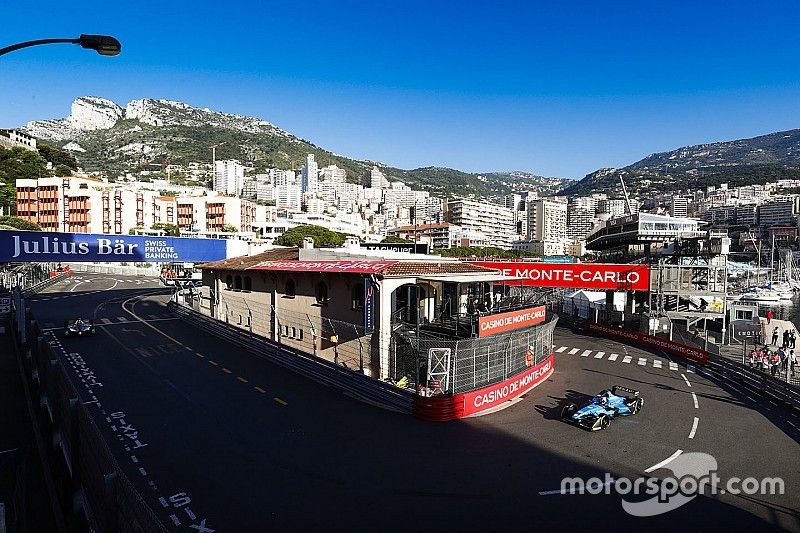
723 369
88 477
350 382
42 285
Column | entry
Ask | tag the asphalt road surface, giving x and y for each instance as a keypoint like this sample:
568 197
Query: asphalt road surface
216 438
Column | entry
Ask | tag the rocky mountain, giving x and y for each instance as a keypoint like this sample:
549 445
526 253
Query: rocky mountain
740 162
147 134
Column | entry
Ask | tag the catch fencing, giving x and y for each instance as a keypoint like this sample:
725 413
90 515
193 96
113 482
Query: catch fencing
446 366
86 474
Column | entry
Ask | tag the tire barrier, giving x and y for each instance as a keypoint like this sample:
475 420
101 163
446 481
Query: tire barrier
89 482
349 382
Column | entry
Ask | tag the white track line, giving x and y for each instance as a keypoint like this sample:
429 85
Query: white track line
642 361
686 380
694 397
673 365
613 357
694 428
572 491
561 349
586 353
665 461
627 359
573 351
599 355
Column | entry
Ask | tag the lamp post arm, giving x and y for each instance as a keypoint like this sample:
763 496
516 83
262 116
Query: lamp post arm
37 42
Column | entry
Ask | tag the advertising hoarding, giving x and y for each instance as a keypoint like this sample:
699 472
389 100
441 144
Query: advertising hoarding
691 353
521 318
597 276
49 247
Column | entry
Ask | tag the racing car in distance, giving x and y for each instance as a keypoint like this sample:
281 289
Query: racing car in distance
608 404
79 327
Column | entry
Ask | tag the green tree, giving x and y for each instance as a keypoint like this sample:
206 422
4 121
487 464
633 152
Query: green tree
171 229
19 223
230 228
62 170
57 156
392 238
133 231
323 237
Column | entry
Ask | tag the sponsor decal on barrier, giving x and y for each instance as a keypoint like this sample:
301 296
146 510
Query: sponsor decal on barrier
494 395
675 348
599 276
38 246
493 324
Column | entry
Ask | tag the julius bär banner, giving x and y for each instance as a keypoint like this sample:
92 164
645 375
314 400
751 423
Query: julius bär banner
493 324
599 276
47 247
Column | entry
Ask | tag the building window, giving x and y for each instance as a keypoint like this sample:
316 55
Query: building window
229 281
321 293
248 283
238 282
357 297
289 290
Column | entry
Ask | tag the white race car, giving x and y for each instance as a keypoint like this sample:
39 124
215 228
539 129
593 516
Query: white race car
79 327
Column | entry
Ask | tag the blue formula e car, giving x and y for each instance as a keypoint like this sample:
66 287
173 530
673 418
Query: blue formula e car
619 401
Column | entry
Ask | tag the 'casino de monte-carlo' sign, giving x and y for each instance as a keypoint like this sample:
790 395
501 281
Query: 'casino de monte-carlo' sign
45 247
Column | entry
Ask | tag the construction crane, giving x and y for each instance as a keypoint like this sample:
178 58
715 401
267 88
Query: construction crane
625 193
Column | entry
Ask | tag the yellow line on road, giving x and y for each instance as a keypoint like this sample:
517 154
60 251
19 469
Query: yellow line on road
259 389
240 378
226 370
280 401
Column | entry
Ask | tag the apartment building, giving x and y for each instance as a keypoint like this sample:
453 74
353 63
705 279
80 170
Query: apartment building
228 177
89 205
212 213
777 214
442 235
494 221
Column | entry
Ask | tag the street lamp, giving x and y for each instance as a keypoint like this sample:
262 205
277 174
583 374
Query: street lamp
105 45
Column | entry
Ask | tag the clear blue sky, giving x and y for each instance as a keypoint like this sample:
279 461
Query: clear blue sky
556 88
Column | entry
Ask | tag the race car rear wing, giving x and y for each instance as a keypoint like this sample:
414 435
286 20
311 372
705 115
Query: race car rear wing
619 388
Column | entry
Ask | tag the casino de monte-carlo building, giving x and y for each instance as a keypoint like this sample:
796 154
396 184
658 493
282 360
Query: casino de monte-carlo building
456 333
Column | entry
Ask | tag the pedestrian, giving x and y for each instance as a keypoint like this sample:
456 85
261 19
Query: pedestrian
792 339
786 338
770 315
774 336
784 362
792 361
776 360
752 359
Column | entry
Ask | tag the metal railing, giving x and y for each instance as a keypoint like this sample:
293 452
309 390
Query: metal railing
721 369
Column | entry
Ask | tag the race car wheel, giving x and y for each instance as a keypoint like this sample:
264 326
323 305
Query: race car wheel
568 410
636 406
602 422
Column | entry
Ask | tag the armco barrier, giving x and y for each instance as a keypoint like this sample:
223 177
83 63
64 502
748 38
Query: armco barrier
721 369
42 285
87 477
350 382
691 353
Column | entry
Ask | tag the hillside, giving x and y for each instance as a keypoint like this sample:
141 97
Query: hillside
739 162
110 140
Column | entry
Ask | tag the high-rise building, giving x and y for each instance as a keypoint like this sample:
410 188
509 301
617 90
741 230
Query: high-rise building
494 221
679 207
547 220
377 180
309 174
579 222
228 177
